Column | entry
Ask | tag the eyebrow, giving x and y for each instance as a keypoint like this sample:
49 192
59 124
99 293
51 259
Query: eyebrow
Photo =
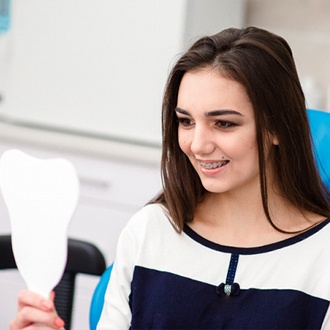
212 113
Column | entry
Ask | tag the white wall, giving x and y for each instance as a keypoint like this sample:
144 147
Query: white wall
99 67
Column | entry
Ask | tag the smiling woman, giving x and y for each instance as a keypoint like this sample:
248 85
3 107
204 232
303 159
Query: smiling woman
218 132
231 241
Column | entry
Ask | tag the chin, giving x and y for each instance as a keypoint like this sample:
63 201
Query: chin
215 189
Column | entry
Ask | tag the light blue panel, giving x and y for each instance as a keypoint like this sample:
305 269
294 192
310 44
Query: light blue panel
4 15
98 299
320 128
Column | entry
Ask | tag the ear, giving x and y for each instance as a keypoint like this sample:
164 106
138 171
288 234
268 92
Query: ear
274 140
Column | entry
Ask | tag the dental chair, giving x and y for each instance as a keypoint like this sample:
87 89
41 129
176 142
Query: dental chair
98 298
320 128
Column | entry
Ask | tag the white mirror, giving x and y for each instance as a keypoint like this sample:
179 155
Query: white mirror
41 196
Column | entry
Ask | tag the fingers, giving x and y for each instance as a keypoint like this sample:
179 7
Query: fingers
29 316
28 298
32 308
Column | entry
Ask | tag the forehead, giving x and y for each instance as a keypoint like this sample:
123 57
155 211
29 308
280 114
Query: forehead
206 89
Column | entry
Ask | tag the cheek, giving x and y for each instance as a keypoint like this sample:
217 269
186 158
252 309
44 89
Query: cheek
243 147
252 156
183 143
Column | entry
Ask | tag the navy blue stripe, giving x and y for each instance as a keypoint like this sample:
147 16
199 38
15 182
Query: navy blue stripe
232 269
162 300
254 250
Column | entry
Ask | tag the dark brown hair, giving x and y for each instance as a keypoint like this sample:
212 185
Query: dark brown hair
263 63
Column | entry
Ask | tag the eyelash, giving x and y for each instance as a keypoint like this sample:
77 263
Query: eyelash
225 124
186 122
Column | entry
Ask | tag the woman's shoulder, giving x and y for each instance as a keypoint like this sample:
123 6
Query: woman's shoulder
151 209
154 212
147 227
150 218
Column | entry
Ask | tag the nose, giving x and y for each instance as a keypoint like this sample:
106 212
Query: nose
202 142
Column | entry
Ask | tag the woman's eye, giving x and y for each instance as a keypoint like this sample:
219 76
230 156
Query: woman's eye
185 122
224 124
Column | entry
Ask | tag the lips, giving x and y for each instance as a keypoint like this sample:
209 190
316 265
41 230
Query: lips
210 166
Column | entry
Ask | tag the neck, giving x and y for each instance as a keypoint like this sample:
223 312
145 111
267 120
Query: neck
239 219
232 211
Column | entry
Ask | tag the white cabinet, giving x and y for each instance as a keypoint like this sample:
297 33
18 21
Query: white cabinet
100 67
111 192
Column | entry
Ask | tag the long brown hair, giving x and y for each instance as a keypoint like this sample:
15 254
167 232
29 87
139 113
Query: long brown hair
263 63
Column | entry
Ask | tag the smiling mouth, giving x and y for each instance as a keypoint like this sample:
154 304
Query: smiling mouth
210 166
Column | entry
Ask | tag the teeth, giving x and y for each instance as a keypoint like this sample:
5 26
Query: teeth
213 165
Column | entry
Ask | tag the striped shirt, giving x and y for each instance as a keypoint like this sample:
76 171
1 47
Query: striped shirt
166 280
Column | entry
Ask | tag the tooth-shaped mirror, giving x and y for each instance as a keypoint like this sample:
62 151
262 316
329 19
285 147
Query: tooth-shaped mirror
41 195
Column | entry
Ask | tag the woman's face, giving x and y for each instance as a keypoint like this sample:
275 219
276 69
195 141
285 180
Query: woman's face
217 131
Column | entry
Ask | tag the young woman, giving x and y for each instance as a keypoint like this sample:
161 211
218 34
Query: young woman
238 239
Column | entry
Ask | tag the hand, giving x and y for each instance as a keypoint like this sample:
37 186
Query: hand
33 309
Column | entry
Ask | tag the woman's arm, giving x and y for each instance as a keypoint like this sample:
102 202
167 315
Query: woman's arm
116 313
32 309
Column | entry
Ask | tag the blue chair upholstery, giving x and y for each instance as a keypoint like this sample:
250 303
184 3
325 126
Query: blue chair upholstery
98 299
320 128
